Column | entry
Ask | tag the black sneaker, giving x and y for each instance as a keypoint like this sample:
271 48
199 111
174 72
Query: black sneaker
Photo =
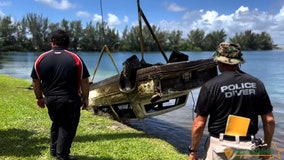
69 158
53 155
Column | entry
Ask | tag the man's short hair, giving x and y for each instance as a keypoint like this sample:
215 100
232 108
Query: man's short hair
60 38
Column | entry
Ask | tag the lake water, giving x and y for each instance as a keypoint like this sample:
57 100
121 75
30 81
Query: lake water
174 127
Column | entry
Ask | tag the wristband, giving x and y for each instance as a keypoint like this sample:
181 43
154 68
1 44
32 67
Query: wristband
190 150
39 97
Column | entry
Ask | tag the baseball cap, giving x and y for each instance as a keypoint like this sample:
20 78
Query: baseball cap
228 53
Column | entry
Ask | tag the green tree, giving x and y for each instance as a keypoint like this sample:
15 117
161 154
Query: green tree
134 39
33 33
76 32
111 37
65 25
212 40
37 26
264 41
53 27
124 43
195 39
173 39
7 33
23 43
253 41
87 41
150 41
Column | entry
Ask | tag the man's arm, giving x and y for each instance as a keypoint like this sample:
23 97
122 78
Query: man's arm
85 87
38 92
268 127
198 126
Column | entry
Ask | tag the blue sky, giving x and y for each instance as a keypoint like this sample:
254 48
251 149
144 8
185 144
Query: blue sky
234 16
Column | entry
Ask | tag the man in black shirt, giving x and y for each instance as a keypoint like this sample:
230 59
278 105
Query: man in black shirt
233 92
61 82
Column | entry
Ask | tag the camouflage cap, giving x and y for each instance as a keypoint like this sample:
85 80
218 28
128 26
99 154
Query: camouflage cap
229 53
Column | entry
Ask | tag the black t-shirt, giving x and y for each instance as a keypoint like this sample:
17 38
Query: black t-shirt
60 72
235 93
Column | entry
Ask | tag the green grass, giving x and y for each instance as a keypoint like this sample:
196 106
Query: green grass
24 132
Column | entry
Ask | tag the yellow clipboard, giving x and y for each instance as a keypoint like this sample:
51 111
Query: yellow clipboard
237 125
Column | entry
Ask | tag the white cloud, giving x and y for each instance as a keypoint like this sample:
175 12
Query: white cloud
97 18
125 19
169 25
83 14
280 15
277 25
3 4
209 17
113 20
2 14
174 7
239 21
6 3
62 5
242 9
192 16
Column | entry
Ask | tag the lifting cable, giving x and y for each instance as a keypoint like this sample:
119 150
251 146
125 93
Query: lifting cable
141 14
104 48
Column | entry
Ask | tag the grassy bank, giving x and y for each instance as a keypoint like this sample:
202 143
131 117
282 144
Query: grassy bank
24 132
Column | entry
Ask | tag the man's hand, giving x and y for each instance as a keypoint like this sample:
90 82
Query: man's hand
40 102
85 87
85 104
193 156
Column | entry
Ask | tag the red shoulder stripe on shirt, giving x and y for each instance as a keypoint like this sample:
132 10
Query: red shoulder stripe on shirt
38 60
79 63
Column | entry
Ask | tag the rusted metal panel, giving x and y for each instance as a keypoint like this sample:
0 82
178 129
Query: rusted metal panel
153 85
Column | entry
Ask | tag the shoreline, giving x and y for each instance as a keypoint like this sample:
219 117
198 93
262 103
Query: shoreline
176 131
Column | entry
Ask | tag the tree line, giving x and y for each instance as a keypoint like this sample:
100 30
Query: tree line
33 33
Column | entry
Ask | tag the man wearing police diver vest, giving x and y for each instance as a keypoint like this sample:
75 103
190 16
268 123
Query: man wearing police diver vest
232 93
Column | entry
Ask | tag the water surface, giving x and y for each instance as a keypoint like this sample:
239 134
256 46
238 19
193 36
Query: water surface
174 127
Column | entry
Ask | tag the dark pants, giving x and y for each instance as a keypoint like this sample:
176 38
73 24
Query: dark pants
64 111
